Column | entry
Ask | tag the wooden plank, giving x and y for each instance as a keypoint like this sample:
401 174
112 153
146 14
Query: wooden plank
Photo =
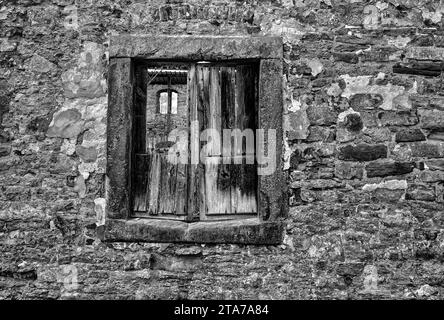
139 133
250 97
140 90
193 187
203 109
176 156
140 100
154 185
239 107
217 186
214 114
227 106
243 172
217 192
140 182
217 172
167 189
181 190
139 157
243 188
168 173
150 149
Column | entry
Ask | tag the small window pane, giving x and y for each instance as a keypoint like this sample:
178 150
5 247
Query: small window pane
174 102
163 102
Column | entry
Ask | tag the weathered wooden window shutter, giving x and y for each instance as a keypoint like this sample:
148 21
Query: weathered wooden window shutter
220 96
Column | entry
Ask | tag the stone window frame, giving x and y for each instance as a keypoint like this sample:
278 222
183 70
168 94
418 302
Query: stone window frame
268 227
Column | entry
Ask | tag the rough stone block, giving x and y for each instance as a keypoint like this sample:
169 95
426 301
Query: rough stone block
39 124
420 192
435 164
5 149
390 185
352 269
430 86
436 135
40 65
391 190
348 170
362 152
4 103
431 176
316 184
87 154
298 124
426 150
376 134
425 53
393 96
365 101
369 118
439 191
318 133
415 68
401 152
344 135
408 135
398 118
81 84
431 119
321 115
6 45
66 124
351 121
388 168
348 57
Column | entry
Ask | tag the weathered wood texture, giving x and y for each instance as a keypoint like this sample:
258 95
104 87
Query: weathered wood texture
244 173
193 186
224 103
219 97
120 100
140 160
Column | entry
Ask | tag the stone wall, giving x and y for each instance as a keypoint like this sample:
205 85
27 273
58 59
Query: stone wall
364 123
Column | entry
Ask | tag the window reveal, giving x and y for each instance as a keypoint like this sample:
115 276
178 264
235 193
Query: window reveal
218 96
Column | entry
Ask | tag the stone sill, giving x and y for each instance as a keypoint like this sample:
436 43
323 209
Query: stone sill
246 231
